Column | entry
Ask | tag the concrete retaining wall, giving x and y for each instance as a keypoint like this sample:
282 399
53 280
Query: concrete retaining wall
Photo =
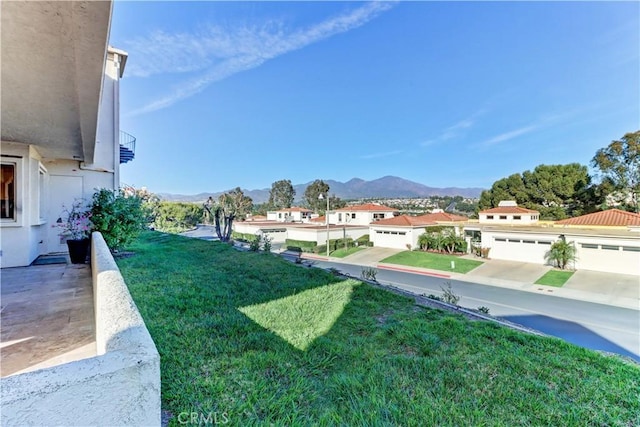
120 386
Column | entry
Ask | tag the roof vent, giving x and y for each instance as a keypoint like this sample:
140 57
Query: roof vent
507 203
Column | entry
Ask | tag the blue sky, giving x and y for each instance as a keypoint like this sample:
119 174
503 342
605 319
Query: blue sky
226 94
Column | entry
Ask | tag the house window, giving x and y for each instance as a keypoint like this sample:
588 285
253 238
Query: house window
610 247
377 216
518 217
353 216
503 217
500 239
528 241
544 242
339 217
589 246
8 192
489 216
631 248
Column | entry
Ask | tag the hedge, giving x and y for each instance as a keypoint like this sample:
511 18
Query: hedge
303 245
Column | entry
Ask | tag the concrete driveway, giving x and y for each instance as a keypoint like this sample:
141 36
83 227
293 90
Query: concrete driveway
509 270
370 256
612 284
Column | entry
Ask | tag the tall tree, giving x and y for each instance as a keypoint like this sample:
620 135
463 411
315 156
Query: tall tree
556 191
231 205
313 191
281 194
619 163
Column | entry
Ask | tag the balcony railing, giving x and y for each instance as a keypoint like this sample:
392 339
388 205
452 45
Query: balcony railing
127 147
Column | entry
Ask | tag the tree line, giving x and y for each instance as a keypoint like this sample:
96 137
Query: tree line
562 191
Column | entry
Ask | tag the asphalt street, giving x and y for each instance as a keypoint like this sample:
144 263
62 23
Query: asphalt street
587 324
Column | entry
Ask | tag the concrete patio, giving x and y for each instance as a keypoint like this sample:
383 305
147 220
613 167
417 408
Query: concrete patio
47 317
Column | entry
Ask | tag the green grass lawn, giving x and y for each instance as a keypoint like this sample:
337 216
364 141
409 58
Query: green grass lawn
341 253
555 278
433 261
267 342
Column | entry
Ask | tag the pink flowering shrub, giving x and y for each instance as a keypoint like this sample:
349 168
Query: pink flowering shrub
77 224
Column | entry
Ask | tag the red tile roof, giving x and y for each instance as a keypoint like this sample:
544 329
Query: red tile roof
318 219
508 210
367 207
610 217
422 220
294 209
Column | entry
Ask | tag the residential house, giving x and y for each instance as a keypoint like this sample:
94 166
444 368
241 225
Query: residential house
361 214
60 120
402 232
607 241
508 212
292 214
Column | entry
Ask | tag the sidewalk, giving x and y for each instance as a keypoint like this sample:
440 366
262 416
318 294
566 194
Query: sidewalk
618 290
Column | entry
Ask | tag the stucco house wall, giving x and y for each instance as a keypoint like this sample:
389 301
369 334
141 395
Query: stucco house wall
319 233
361 214
45 186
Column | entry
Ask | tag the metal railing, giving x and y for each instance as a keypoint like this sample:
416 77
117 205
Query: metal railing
127 147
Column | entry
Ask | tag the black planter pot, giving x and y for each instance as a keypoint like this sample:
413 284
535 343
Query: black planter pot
78 250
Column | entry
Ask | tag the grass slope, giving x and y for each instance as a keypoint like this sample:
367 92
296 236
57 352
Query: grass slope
267 342
433 261
555 278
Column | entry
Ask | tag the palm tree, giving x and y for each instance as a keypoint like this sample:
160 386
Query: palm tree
562 253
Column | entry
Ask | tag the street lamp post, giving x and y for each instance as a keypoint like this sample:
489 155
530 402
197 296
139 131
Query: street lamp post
326 215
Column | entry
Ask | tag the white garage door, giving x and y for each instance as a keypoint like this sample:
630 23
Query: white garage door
522 250
391 239
612 258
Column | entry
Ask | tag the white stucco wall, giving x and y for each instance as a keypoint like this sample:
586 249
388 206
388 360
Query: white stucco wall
24 238
319 234
121 386
510 218
363 218
32 235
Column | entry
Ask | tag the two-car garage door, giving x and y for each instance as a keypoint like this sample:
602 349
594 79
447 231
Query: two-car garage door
519 249
597 254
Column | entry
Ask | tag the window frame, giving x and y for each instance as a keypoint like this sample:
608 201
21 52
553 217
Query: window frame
17 219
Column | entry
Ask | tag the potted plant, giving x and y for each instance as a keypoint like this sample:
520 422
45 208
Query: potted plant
76 227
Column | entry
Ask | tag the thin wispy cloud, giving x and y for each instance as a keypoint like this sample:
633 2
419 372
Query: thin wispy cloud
544 122
218 53
456 130
506 136
380 155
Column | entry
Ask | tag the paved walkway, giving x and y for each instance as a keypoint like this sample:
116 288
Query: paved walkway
47 317
605 288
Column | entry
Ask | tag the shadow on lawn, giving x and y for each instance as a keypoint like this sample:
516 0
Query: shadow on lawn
571 332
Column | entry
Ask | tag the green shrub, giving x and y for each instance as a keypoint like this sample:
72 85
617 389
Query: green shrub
177 216
304 245
369 273
320 249
118 216
362 240
242 237
254 244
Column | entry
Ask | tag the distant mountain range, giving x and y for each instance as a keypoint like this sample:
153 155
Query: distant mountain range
386 187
